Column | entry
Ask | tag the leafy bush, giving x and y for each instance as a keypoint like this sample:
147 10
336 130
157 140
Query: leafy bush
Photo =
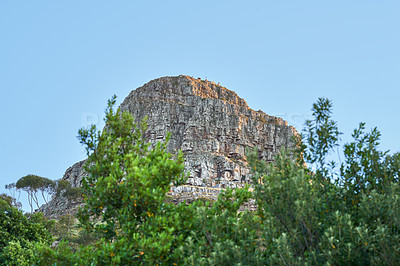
310 215
310 210
11 201
220 234
18 233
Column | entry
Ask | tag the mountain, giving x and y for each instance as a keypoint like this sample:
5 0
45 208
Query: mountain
212 126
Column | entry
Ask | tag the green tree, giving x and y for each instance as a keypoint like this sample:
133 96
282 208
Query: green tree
65 189
32 184
221 234
289 208
311 216
11 200
126 205
18 235
12 187
306 214
366 168
128 178
321 135
125 192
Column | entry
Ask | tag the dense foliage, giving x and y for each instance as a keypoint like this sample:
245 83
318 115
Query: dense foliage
319 214
311 209
19 234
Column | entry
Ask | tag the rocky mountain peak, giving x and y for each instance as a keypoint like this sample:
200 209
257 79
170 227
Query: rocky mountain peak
213 127
185 86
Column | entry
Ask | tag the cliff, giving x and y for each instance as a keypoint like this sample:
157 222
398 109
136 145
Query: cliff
213 127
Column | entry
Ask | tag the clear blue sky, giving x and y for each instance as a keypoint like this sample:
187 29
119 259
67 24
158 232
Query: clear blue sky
62 60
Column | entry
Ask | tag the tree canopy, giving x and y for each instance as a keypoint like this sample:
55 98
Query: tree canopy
32 184
18 234
310 209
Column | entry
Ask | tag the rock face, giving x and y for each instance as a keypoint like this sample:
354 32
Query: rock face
58 206
212 125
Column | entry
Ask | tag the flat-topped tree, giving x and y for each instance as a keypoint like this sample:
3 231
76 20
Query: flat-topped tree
32 184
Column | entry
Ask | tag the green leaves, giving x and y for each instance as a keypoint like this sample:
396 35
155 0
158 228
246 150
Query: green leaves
311 216
220 234
126 187
32 184
320 134
288 204
305 215
18 235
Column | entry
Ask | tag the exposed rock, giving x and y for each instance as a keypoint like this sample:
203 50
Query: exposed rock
210 124
75 173
61 205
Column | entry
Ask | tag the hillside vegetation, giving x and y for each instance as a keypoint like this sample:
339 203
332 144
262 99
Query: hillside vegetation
310 210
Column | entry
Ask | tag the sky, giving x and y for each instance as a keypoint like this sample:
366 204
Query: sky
60 61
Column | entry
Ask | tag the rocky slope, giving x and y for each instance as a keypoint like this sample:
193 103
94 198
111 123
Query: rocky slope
213 127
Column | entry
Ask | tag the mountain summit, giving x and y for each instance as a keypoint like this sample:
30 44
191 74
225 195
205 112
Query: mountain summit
212 126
